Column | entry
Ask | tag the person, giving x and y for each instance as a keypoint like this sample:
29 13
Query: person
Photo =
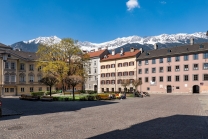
110 96
120 95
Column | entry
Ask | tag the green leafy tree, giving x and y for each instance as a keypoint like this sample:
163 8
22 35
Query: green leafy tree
49 81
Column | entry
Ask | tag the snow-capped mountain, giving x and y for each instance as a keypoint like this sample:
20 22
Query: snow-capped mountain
163 40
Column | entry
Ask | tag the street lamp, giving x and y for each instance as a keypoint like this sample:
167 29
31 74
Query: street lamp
4 59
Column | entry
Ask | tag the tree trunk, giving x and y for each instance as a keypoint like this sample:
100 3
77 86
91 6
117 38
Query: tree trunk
62 82
73 94
50 91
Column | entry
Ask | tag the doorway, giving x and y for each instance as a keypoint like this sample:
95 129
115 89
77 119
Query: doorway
195 89
169 89
95 87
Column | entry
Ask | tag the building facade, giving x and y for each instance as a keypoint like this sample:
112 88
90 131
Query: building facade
181 69
116 67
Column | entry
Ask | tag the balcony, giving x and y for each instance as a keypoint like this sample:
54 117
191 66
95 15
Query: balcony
7 83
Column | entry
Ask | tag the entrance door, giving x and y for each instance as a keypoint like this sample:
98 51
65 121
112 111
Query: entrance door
169 89
95 87
195 89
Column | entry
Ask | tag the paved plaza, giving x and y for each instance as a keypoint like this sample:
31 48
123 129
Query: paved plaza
157 117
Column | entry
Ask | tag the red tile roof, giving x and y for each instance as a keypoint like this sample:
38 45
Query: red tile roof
96 53
118 56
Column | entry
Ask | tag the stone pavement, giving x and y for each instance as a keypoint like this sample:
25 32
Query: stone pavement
155 117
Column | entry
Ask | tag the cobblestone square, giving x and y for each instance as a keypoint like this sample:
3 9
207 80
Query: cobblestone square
161 116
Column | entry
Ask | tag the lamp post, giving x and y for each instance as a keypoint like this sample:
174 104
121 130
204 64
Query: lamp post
4 59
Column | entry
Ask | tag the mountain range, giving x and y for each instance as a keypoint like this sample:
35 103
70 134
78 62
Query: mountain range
147 43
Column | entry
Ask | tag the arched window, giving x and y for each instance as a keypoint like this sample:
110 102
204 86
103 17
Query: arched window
31 77
6 77
13 77
39 77
22 77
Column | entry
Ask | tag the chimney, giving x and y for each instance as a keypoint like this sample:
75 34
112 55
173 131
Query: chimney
113 51
132 49
155 46
121 50
93 50
141 49
192 41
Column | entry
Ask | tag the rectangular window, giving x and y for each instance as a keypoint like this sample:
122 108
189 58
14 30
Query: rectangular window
102 89
89 70
112 81
153 61
31 89
153 79
31 68
119 64
112 89
205 66
161 60
131 63
186 68
186 77
161 69
168 59
107 74
22 89
31 78
11 89
125 73
169 69
195 67
177 68
146 62
107 66
205 77
177 58
6 78
146 70
186 58
153 70
103 75
40 89
195 77
177 78
131 73
195 56
95 70
205 55
177 87
12 65
102 67
112 74
139 63
6 90
161 78
13 78
119 73
94 63
112 65
169 79
39 68
146 79
140 71
22 66
48 89
125 64
6 65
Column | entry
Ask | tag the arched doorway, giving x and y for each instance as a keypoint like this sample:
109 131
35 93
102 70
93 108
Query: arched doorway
195 89
169 89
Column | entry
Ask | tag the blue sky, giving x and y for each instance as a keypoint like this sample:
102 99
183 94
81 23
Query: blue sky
99 20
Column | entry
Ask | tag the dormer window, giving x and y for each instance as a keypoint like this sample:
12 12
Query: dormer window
201 46
105 56
147 53
169 50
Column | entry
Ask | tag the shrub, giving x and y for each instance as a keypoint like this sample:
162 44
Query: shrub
52 92
90 98
82 91
55 98
83 98
91 92
41 93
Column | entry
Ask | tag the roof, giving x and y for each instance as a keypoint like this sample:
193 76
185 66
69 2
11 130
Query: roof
5 46
96 53
23 55
178 50
118 56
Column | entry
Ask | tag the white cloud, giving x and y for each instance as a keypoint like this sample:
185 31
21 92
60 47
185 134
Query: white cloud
163 2
131 4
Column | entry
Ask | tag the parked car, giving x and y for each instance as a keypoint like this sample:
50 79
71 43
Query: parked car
0 109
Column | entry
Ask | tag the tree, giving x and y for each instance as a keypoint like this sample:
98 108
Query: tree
73 81
49 81
136 83
125 83
62 59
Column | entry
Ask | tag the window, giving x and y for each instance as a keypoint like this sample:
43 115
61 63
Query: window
119 64
131 73
186 68
177 58
125 64
153 61
102 89
131 81
12 65
161 60
102 82
22 66
153 70
131 63
148 88
39 78
112 74
89 70
40 89
39 68
48 89
177 87
119 89
31 89
168 59
153 79
177 78
119 81
6 78
22 78
195 67
103 75
205 55
107 74
107 82
22 89
112 89
161 78
6 90
31 78
186 58
139 63
201 46
140 71
205 66
195 77
102 67
177 68
95 70
112 81
107 89
169 69
112 65
11 89
161 69
94 63
169 79
195 56
146 70
186 77
107 66
146 62
119 73
125 73
31 68
6 65
146 79
13 78
205 77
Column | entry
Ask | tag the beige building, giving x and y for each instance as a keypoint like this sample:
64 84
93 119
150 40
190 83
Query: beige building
18 72
116 67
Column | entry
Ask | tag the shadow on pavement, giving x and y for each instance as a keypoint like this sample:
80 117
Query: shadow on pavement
26 108
173 127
